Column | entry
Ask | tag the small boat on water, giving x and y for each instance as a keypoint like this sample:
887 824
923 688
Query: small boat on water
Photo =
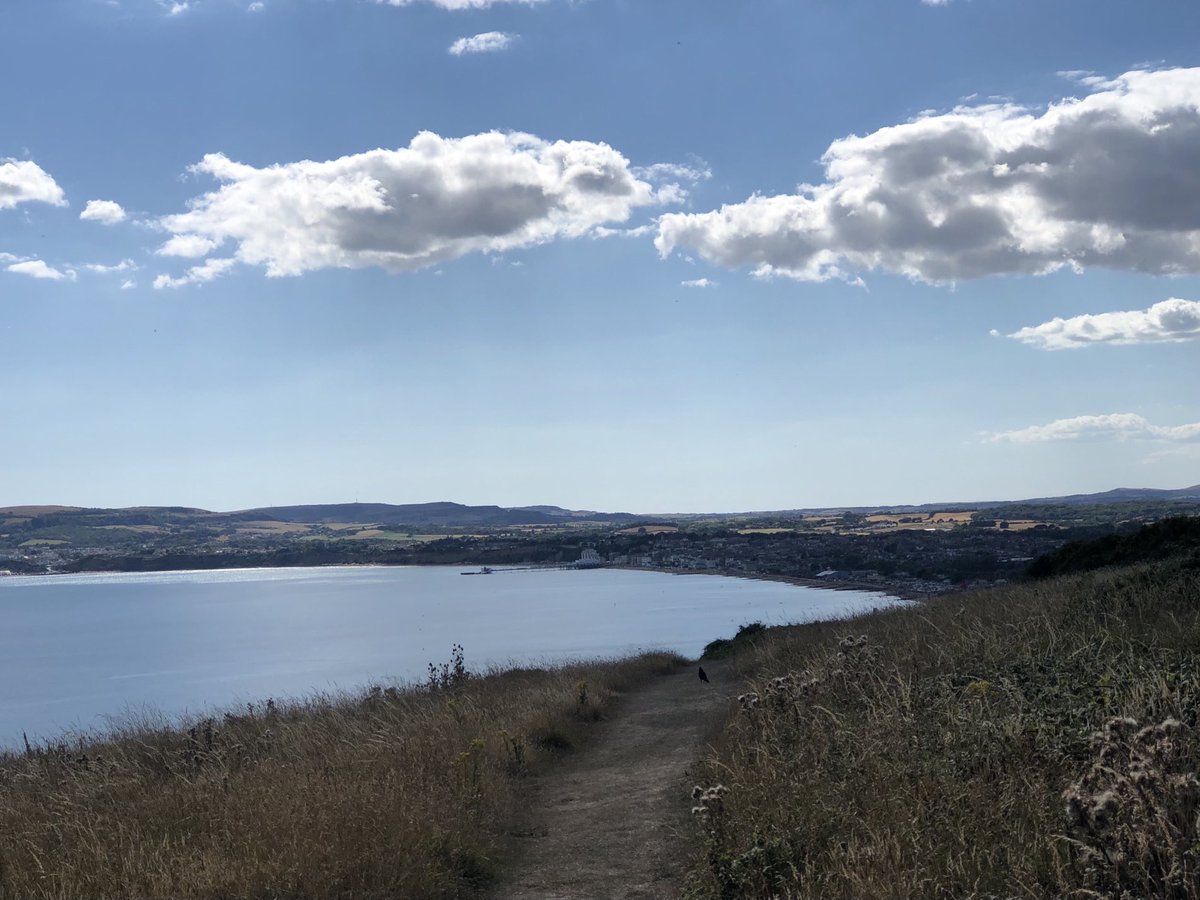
484 570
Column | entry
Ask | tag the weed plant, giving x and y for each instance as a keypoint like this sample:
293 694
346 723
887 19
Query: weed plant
1035 741
392 792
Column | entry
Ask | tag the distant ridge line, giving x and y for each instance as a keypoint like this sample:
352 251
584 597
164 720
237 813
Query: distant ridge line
450 514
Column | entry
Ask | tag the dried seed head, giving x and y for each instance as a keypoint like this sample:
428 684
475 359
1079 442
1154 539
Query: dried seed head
1075 807
1120 725
1148 735
1104 807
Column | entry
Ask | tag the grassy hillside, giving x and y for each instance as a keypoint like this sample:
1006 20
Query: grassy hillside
391 793
1035 741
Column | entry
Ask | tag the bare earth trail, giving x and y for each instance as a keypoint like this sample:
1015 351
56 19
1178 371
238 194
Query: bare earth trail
610 823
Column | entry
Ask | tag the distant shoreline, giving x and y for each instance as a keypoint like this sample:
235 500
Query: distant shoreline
896 591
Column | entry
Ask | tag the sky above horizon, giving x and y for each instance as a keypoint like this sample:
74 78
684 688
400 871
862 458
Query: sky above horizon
649 256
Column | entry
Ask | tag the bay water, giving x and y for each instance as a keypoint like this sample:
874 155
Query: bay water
78 650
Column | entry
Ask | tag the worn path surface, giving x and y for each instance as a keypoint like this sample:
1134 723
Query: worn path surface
610 822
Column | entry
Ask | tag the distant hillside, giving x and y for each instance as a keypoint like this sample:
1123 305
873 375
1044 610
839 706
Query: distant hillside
1117 495
1124 495
442 514
458 515
559 513
417 515
30 511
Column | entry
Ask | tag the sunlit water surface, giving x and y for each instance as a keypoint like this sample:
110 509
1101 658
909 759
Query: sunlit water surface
77 650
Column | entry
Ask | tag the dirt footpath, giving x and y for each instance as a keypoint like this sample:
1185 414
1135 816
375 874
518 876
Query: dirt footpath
610 823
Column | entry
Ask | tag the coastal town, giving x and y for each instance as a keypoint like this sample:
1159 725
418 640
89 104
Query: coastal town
905 551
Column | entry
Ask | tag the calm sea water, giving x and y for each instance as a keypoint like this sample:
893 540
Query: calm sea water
76 650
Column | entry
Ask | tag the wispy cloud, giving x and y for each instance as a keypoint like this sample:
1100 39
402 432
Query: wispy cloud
1169 321
37 268
699 283
674 172
1110 180
125 265
461 4
602 231
487 42
206 271
1111 425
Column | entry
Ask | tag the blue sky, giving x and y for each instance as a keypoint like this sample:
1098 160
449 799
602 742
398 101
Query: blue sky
652 256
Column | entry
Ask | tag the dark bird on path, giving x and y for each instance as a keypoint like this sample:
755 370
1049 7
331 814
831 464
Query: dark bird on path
703 675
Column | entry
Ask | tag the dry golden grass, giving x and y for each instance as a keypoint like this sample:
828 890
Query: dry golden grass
390 793
271 527
1020 524
941 519
960 516
1033 742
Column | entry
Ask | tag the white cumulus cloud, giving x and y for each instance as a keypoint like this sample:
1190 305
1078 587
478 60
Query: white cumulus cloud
1169 321
1119 425
488 42
24 181
206 271
37 268
106 212
1111 179
699 283
190 245
436 199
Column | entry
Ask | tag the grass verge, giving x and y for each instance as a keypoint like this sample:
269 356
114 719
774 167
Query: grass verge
393 792
1035 741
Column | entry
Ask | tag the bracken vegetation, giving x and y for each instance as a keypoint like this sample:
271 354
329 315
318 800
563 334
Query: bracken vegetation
1040 740
1178 536
393 792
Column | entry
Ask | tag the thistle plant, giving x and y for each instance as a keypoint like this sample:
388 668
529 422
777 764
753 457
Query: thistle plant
1133 814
